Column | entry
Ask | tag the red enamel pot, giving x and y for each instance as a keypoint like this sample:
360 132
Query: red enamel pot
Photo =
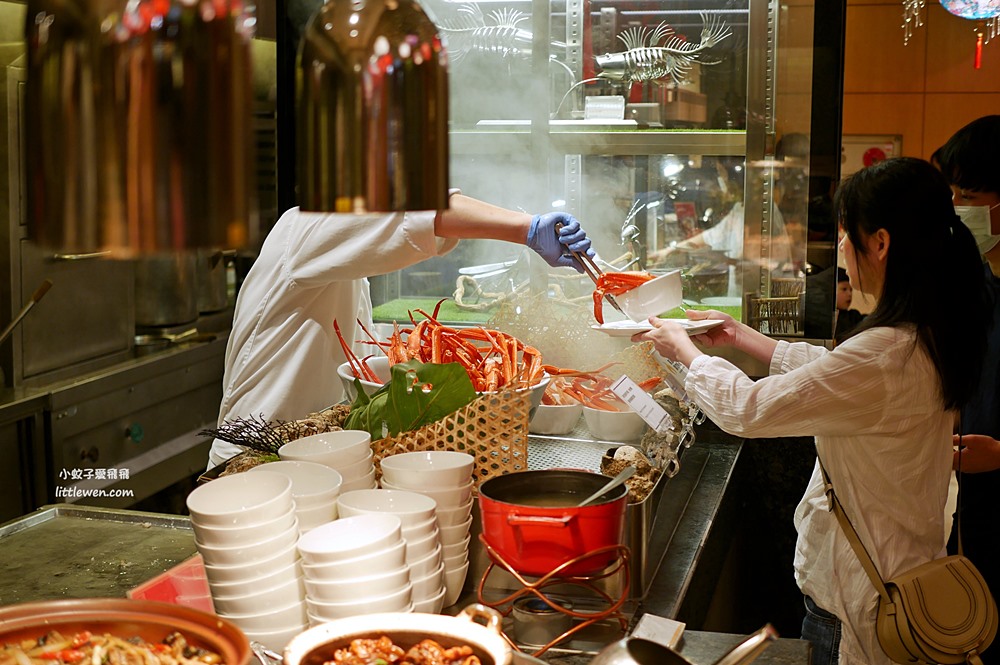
533 521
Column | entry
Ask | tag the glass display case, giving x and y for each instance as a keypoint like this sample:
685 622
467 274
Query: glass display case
700 135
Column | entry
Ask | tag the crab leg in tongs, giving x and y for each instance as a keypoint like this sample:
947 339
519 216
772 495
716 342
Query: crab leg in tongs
593 271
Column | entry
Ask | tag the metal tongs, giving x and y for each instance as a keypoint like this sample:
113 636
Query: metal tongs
591 268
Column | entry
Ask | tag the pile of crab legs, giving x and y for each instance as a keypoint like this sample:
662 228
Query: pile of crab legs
494 360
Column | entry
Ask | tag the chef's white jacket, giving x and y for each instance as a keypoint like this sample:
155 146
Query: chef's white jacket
874 406
282 354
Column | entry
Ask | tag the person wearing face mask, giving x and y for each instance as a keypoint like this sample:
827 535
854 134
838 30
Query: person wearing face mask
970 161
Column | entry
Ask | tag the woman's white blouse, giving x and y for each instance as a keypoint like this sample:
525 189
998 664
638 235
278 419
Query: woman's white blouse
874 407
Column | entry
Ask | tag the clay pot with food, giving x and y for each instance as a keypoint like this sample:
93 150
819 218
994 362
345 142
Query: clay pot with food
476 626
215 640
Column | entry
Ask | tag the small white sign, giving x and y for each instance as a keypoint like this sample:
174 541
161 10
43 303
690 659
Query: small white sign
642 403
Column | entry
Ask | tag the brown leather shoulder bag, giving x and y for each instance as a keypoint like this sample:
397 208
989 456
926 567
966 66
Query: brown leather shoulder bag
939 612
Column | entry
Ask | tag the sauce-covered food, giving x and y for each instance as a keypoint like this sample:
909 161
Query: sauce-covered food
86 648
383 651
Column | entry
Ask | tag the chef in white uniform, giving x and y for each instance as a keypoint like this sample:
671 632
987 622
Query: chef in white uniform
282 355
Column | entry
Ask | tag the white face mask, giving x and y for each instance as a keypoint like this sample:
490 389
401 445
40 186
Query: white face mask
977 218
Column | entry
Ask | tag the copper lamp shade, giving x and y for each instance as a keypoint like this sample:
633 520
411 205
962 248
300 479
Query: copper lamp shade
138 125
373 109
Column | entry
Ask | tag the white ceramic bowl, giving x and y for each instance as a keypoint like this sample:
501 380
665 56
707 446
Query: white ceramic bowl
261 600
379 365
456 561
249 570
240 499
342 591
411 508
357 469
456 549
391 602
428 585
451 516
335 449
312 483
431 605
555 418
653 298
456 533
537 391
349 538
426 564
429 469
415 549
451 497
365 482
388 558
282 618
454 582
310 518
421 530
266 581
276 640
234 536
614 425
248 552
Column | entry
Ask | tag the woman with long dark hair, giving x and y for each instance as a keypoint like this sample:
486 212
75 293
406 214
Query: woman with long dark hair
881 405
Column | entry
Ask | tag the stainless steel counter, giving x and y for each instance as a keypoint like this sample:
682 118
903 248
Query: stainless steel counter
66 551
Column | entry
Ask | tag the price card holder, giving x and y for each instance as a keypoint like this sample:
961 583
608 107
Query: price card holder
642 403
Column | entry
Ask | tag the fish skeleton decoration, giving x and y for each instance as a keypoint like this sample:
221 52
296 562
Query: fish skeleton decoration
496 34
654 54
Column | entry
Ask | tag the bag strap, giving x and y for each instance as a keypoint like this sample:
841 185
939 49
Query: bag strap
852 534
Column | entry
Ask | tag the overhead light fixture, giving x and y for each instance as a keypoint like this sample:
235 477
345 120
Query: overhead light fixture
372 109
912 18
138 135
985 13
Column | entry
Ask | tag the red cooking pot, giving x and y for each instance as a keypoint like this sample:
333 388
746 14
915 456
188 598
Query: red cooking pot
533 521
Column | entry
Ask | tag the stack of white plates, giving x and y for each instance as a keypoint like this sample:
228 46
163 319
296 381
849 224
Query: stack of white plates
348 451
315 488
355 565
446 477
417 514
245 529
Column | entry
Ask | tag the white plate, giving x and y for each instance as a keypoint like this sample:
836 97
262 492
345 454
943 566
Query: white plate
629 328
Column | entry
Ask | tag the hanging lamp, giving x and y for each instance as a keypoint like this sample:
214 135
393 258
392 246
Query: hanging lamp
372 97
984 13
138 136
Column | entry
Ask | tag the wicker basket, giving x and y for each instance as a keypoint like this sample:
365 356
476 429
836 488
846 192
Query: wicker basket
492 428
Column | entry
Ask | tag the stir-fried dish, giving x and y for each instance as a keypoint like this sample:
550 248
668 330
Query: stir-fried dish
86 648
383 651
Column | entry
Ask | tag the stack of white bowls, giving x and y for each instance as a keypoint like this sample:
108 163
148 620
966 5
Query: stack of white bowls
424 557
245 529
315 488
446 477
355 565
348 451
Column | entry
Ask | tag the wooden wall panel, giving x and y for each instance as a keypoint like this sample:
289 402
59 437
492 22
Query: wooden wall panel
951 45
875 59
946 113
924 91
887 113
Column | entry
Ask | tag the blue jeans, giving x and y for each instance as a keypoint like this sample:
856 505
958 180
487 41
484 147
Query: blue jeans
822 630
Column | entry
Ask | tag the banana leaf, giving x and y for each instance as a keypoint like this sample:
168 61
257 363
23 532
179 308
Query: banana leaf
417 394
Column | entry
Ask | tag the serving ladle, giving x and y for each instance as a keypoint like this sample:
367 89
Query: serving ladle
622 476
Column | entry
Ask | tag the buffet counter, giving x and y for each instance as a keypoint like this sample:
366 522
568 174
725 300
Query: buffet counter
65 551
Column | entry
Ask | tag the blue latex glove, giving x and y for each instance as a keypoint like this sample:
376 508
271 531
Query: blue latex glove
554 246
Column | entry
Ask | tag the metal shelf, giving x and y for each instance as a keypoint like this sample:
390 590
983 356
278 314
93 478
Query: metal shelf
574 141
